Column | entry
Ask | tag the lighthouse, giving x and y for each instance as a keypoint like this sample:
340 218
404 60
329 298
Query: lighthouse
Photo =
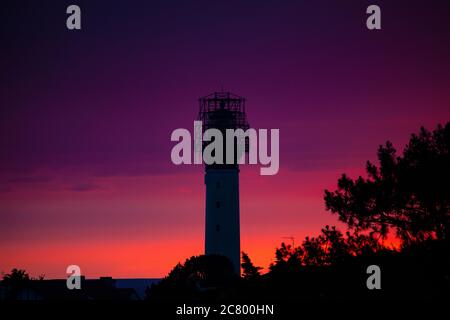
221 111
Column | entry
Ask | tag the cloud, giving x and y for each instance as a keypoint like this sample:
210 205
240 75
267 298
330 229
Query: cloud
31 179
83 187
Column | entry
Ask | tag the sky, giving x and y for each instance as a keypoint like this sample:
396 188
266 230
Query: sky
86 117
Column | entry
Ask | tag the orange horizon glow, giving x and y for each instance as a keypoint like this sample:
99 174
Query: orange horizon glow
116 230
92 230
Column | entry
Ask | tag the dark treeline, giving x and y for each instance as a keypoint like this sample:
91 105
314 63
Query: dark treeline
406 196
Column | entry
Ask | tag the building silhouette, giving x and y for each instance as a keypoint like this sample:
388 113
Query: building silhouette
221 111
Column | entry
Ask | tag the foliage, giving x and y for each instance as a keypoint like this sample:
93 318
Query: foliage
249 271
330 247
409 194
199 274
15 281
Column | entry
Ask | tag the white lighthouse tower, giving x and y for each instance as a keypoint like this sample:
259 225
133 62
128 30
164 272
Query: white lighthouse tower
223 110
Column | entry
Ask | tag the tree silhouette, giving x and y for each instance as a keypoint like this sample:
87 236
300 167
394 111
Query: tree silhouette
409 194
330 247
198 276
15 281
249 271
287 258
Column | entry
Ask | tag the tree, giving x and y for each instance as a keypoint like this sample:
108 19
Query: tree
16 276
199 276
15 281
287 259
250 272
330 247
409 194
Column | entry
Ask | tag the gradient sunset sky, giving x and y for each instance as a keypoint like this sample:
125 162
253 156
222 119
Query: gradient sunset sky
86 117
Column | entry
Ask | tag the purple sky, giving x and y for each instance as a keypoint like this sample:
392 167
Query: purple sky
86 118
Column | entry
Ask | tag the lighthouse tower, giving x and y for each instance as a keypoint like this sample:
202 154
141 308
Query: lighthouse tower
223 110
